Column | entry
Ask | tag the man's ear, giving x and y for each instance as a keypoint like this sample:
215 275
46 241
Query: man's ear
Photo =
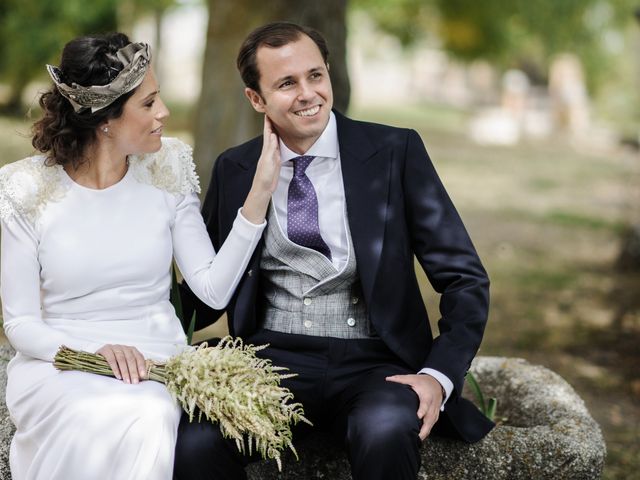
257 102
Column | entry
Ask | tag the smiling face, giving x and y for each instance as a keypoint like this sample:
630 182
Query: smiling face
295 92
139 128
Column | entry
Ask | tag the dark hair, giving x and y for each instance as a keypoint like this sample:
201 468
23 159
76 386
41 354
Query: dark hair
63 134
274 35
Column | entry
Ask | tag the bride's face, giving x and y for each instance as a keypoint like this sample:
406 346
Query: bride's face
139 128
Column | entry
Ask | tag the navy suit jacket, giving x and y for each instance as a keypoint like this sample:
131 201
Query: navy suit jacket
397 208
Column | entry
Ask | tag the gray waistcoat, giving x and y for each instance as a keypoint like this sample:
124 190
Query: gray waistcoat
305 294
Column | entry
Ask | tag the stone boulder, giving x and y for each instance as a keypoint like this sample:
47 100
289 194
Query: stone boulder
547 434
6 427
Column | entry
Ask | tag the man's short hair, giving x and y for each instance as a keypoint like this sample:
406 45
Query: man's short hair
274 35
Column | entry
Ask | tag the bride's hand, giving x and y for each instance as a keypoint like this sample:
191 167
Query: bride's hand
126 362
268 169
266 177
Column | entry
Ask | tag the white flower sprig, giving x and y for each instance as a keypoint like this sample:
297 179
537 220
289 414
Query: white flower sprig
227 384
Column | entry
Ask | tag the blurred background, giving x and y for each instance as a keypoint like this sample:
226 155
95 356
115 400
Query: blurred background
529 110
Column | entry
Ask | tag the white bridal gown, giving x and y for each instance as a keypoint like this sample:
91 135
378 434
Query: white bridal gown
82 268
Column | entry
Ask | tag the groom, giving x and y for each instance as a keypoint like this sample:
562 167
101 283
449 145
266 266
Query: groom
332 286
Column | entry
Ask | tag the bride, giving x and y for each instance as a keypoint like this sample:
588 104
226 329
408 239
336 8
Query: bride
89 230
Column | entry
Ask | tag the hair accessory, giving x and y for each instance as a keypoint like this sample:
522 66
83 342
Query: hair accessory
135 57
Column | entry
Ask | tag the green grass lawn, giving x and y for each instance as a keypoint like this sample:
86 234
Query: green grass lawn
546 220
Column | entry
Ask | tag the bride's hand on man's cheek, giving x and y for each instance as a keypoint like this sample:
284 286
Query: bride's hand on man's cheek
268 169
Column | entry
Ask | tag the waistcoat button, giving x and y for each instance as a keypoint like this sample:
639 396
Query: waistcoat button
308 323
351 322
307 301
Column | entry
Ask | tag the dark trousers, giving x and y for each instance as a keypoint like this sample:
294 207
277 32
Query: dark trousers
342 385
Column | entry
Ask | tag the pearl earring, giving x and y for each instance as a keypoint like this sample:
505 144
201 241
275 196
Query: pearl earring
105 129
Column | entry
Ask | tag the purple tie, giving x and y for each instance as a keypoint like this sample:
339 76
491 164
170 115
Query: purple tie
302 209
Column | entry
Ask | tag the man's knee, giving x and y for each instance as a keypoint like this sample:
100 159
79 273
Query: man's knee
197 439
385 445
203 453
382 429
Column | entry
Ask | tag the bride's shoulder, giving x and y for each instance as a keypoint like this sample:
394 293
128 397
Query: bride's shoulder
27 185
171 168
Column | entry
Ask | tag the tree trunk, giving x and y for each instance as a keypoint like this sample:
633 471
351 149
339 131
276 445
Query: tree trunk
17 85
125 14
13 106
224 117
629 255
158 17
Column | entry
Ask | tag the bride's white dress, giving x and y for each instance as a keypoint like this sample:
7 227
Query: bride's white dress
82 268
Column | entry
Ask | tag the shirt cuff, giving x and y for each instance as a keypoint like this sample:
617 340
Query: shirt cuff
246 228
443 380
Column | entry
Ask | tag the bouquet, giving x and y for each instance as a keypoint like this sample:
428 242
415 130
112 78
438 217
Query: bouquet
227 384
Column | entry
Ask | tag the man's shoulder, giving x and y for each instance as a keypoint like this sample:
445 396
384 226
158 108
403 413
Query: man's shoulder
245 150
367 125
379 134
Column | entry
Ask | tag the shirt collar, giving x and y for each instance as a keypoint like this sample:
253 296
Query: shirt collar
325 146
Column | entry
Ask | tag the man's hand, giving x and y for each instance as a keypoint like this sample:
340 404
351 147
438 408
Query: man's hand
429 393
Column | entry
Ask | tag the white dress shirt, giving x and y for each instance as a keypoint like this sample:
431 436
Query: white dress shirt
325 173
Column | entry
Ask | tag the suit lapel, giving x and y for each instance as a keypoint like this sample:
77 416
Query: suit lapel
237 178
365 174
240 179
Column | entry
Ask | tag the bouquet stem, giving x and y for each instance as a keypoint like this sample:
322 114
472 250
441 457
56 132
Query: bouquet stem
228 384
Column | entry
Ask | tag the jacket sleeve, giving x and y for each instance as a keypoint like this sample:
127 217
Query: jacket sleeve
445 252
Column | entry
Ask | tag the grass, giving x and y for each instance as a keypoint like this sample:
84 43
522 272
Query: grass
546 220
569 219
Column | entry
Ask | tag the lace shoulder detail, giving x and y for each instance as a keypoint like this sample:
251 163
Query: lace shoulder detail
171 168
26 186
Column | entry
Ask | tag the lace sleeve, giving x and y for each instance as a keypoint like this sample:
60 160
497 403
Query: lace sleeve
171 168
26 186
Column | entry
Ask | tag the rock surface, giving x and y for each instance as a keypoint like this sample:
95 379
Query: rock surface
548 434
6 427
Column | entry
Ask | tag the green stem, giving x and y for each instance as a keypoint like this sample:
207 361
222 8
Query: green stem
475 388
68 359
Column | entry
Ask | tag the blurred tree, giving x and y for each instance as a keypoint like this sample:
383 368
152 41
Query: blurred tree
407 20
128 11
33 32
224 117
520 33
629 255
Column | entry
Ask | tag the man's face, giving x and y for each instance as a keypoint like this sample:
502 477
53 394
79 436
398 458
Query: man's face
295 92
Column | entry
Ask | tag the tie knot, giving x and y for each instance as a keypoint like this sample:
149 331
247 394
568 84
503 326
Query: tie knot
301 163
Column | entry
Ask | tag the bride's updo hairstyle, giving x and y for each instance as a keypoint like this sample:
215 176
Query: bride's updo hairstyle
62 133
